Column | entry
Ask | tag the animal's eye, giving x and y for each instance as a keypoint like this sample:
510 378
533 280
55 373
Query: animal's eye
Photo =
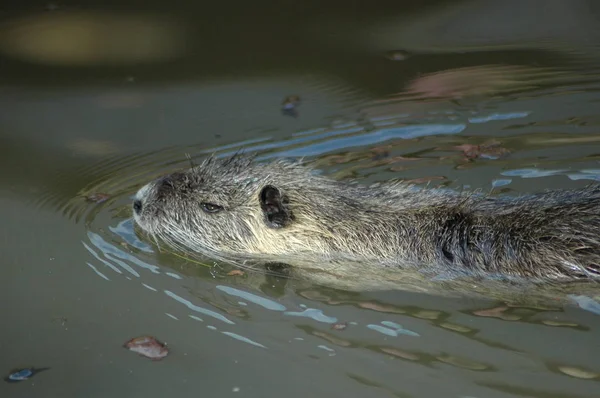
211 208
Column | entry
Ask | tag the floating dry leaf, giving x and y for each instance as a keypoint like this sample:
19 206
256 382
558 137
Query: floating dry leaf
147 346
490 149
497 312
235 272
97 197
339 326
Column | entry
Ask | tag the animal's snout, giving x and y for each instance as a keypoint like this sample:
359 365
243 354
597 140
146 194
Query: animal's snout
153 191
137 206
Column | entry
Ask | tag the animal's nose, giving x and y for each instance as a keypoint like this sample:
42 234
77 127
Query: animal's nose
137 206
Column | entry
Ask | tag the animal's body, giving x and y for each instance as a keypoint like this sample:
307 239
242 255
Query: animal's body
235 207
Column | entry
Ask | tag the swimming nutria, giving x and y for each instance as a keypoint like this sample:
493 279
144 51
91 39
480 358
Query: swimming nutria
238 207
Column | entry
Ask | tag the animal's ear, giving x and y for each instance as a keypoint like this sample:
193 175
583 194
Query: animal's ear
275 207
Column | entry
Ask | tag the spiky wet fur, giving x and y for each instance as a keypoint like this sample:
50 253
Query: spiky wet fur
547 236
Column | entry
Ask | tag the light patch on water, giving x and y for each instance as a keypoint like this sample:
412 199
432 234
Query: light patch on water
498 116
173 275
384 123
108 264
591 171
500 182
244 339
391 324
197 318
392 329
324 347
125 230
375 119
171 316
531 173
367 139
98 272
149 287
342 124
201 310
243 304
309 132
253 298
383 329
586 303
211 327
108 248
301 141
123 265
583 176
239 144
314 314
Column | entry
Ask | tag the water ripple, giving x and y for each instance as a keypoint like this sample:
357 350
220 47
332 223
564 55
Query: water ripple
244 339
263 302
196 308
314 314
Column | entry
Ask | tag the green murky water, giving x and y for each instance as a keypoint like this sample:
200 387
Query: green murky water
98 98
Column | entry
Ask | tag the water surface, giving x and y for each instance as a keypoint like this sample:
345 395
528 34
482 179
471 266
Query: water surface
495 96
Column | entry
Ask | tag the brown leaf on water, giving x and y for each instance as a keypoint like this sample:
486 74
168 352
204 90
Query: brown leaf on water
235 272
147 346
490 149
497 312
97 197
339 326
469 150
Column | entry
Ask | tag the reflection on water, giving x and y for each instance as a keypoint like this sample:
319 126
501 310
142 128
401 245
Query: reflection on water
461 95
92 38
395 321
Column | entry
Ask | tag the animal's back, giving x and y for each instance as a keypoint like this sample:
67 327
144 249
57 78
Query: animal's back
236 207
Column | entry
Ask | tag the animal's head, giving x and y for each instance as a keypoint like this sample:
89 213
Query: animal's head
230 205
